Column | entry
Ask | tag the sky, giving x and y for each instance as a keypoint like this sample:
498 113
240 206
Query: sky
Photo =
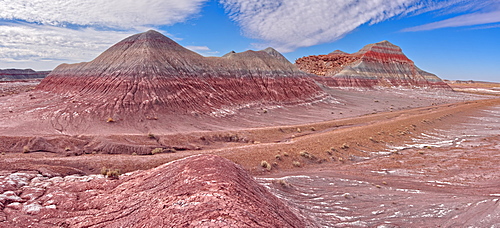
455 39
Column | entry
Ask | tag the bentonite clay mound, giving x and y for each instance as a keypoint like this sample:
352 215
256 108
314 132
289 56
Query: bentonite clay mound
148 73
198 191
379 64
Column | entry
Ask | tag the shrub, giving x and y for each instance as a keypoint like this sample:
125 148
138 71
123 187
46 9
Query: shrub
278 157
110 173
296 164
285 154
104 170
313 129
157 151
110 120
151 136
113 174
298 130
265 165
67 148
26 149
344 146
283 183
305 154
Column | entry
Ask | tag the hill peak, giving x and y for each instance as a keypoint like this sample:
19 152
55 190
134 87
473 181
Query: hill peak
271 51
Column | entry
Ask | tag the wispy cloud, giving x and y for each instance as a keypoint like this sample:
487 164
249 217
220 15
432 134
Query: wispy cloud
291 24
198 48
46 46
122 14
460 21
476 13
44 33
202 50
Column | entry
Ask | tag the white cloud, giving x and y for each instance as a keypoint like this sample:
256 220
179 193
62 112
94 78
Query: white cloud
290 24
202 50
123 14
47 46
198 48
460 21
44 33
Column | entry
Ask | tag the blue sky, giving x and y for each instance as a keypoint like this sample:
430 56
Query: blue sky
455 39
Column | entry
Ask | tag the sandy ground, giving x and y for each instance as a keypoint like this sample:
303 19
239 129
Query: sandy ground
285 137
445 176
363 159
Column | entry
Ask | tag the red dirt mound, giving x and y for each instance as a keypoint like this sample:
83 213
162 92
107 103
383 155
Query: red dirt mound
198 191
148 74
379 64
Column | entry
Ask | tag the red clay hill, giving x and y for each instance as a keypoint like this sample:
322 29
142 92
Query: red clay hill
148 73
198 191
380 64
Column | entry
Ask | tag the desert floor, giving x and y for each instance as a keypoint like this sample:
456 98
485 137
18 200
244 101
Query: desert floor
366 158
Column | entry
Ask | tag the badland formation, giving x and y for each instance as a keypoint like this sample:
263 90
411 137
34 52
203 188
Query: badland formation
151 134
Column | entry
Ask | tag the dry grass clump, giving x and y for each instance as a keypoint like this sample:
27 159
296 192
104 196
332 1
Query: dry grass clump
266 165
305 154
151 136
283 183
157 150
110 173
344 146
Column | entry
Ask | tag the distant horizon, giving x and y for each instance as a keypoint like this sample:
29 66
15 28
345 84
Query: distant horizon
454 39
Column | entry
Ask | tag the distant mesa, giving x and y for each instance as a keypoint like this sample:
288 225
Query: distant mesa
21 74
150 73
378 64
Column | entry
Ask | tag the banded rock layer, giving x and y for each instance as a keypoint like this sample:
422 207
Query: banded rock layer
379 64
198 191
150 73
